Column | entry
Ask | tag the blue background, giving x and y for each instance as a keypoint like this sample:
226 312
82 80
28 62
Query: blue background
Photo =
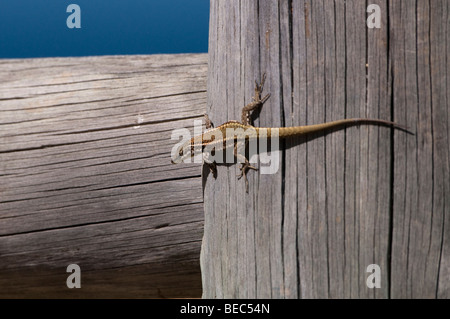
37 28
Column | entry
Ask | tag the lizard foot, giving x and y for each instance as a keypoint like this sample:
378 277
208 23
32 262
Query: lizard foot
244 168
258 91
208 122
257 102
213 169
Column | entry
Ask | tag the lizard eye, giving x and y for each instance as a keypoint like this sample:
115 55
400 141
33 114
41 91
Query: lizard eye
180 153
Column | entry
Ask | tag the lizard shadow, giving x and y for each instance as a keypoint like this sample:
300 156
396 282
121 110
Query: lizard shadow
285 143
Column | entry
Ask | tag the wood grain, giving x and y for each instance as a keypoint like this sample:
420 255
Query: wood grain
344 200
86 178
420 250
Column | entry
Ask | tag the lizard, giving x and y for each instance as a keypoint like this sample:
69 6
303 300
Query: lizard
246 131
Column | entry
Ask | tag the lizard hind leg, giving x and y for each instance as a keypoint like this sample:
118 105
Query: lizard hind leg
245 166
244 169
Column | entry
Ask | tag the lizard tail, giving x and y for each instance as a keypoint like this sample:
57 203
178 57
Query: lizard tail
302 130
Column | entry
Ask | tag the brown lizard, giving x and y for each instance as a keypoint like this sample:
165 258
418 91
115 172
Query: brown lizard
217 139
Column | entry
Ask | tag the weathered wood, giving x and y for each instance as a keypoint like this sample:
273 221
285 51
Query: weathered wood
421 246
340 201
86 178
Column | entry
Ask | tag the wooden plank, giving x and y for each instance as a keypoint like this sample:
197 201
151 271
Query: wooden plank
86 178
340 201
420 256
444 267
377 196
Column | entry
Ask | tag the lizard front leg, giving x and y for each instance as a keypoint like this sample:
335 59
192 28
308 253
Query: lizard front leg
212 165
208 123
256 103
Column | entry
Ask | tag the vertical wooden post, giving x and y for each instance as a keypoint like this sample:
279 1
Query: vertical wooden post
421 96
342 201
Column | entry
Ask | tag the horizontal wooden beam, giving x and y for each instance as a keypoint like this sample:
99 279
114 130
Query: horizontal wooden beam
86 178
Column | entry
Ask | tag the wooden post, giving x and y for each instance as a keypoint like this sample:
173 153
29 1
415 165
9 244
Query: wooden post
346 200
